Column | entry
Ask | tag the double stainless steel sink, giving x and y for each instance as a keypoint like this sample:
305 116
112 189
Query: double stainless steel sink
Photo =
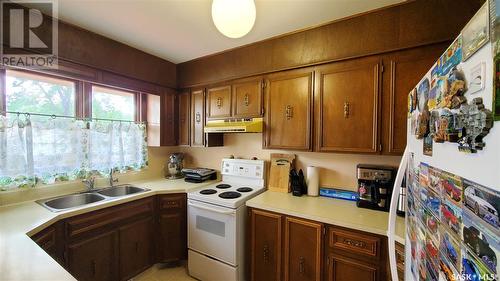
66 202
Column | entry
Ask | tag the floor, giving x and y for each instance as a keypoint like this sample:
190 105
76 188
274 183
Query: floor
159 273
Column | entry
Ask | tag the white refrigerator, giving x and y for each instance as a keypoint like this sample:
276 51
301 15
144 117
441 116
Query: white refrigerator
452 162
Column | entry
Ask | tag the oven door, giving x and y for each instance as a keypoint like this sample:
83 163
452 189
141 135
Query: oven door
212 231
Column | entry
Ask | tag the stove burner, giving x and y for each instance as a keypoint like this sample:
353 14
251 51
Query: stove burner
208 191
244 189
229 195
223 186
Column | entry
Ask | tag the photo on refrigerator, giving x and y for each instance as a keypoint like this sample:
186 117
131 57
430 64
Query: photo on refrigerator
481 242
484 203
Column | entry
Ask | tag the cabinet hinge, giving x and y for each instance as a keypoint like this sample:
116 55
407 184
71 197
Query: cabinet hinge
380 147
381 68
264 84
324 231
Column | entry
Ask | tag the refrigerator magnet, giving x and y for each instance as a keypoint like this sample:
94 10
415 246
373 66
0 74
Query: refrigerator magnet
476 33
427 146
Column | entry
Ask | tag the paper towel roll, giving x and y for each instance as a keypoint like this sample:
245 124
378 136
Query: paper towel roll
312 181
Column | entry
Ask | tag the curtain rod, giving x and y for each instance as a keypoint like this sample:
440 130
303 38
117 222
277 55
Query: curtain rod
3 112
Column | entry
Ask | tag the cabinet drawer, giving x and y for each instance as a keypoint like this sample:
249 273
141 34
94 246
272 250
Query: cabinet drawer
46 239
173 202
354 242
106 217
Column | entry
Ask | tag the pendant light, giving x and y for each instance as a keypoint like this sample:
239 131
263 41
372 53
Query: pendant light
233 18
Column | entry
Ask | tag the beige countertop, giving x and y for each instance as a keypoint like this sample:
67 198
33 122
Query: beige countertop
22 259
328 210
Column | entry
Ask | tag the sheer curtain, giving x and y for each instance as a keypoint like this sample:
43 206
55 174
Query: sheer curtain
16 156
46 149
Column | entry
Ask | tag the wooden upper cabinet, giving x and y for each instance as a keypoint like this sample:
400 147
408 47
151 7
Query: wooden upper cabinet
197 117
247 98
347 98
169 129
303 246
184 118
266 246
403 72
288 110
219 102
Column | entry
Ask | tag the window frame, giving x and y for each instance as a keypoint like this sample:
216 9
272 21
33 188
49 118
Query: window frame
136 95
3 87
83 94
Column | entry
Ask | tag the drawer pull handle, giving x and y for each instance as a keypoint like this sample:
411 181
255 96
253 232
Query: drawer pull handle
266 253
246 100
289 112
219 102
198 117
347 107
302 262
354 243
93 265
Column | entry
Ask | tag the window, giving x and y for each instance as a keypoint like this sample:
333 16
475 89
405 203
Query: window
110 103
27 92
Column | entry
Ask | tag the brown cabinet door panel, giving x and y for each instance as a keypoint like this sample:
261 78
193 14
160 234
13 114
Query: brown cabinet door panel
348 105
346 269
197 117
288 110
265 252
247 99
404 71
302 250
94 259
219 102
184 118
172 228
168 126
135 247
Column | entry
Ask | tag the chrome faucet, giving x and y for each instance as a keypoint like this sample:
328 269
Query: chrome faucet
112 180
89 183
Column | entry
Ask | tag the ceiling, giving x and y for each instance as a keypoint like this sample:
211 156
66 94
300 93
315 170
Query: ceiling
182 30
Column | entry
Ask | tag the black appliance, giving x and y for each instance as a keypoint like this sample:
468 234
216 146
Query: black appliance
198 175
375 184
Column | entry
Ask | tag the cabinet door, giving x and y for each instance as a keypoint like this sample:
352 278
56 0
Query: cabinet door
95 258
247 99
172 227
184 118
197 117
404 71
169 129
288 110
348 106
172 236
341 268
154 116
219 102
302 250
265 248
135 247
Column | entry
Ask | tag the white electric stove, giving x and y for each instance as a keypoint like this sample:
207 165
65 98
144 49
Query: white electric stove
217 219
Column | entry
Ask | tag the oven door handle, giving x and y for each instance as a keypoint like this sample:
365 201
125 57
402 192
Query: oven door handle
210 209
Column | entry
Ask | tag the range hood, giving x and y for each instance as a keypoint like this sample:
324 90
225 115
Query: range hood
253 125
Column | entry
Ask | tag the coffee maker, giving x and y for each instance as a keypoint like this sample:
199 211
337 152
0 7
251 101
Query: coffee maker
174 166
375 184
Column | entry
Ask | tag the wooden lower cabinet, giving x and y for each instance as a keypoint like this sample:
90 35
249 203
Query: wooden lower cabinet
172 228
302 250
266 245
293 249
341 268
135 247
119 242
95 258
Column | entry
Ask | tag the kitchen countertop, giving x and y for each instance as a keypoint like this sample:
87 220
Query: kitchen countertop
23 259
328 210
